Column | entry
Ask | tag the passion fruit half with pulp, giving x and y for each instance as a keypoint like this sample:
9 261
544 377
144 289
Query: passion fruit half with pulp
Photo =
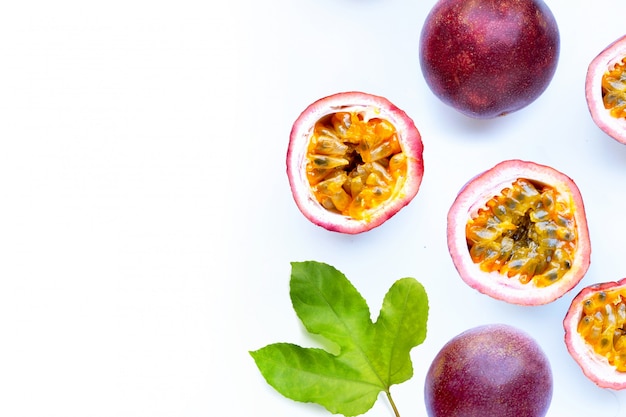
518 233
354 160
605 90
595 333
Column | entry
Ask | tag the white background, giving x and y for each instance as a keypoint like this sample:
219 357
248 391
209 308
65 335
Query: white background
146 221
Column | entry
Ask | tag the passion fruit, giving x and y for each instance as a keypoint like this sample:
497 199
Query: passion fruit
605 90
487 58
354 160
518 233
595 333
490 370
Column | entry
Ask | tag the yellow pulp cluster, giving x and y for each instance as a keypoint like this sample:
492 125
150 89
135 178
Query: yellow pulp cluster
602 326
614 90
353 164
528 232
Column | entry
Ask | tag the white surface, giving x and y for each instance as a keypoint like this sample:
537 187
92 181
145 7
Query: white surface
147 225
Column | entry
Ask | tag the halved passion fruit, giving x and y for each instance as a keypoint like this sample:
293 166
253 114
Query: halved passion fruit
605 90
595 333
354 160
518 233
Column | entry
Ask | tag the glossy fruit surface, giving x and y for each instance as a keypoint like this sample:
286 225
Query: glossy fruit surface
490 370
595 333
518 233
605 90
354 160
487 58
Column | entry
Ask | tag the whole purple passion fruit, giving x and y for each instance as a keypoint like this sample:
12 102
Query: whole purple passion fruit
487 58
490 370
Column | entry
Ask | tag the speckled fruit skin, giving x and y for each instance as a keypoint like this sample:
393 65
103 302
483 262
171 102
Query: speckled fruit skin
594 366
612 54
487 58
474 195
410 141
490 370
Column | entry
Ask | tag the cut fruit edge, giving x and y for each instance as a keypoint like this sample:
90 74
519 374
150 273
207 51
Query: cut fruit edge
474 195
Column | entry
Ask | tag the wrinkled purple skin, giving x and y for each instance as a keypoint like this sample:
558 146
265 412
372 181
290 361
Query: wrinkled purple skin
487 58
493 370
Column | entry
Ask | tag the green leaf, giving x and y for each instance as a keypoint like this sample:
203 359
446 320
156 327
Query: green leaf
372 356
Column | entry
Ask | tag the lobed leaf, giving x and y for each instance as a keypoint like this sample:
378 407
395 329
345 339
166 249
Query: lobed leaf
372 356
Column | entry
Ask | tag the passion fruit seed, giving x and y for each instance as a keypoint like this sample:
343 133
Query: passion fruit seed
603 323
614 90
528 232
354 164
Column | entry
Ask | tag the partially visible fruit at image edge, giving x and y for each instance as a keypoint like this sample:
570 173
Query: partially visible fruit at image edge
488 58
605 90
354 160
518 233
595 333
490 370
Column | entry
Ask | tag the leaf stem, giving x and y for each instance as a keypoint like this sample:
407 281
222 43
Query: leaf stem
393 405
